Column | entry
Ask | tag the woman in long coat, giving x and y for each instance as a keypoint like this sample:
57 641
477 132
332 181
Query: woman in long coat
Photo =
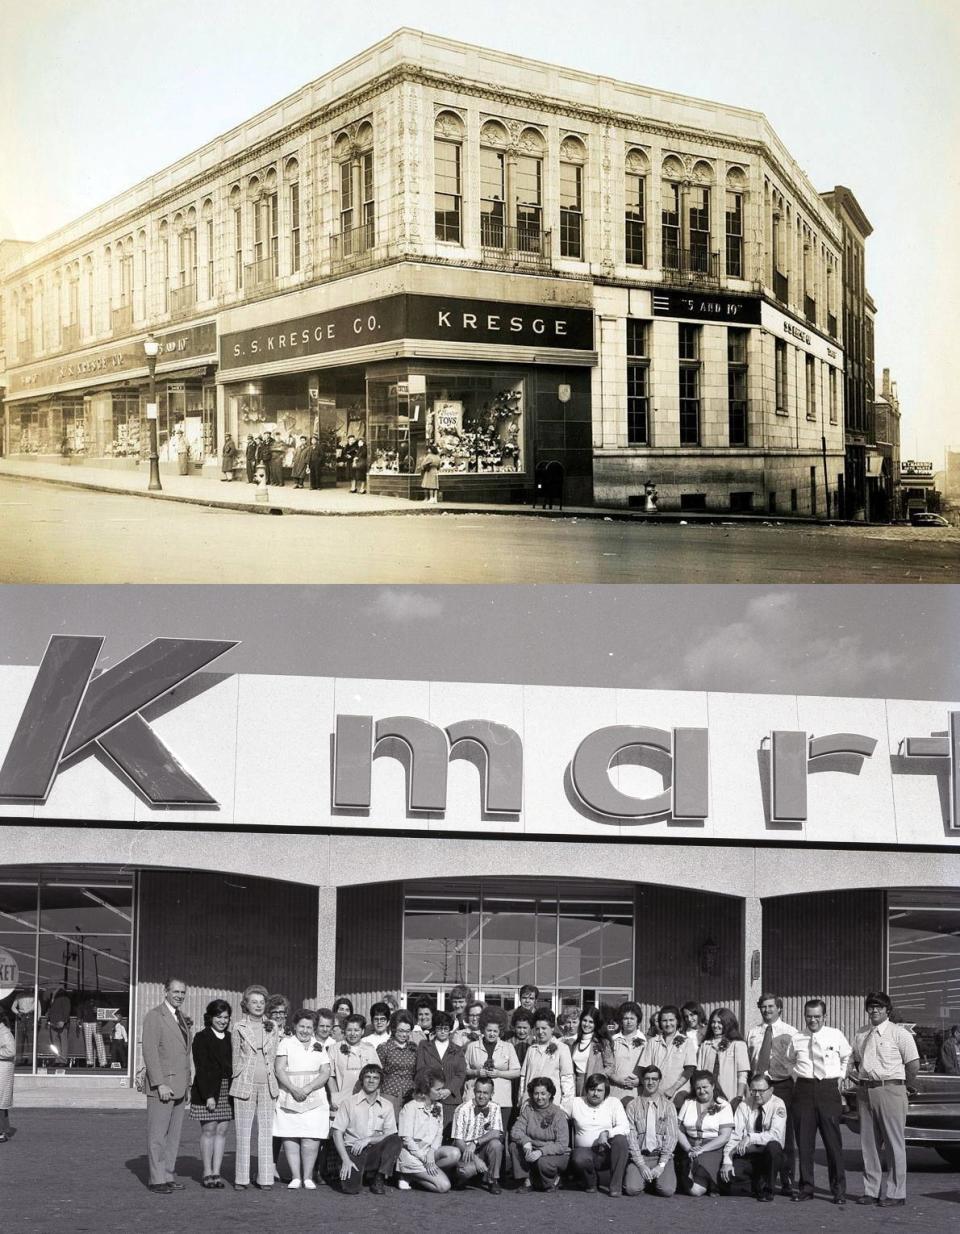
228 458
301 462
430 475
8 1052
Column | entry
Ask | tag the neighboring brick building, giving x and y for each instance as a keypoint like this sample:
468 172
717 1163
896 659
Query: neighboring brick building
436 241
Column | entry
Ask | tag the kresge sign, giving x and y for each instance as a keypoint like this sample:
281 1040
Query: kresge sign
454 757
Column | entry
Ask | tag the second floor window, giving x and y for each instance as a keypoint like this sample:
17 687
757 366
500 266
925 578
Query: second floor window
295 227
356 197
638 383
273 227
735 235
635 246
670 224
689 340
208 228
237 248
833 395
699 214
447 191
529 203
737 386
492 198
571 210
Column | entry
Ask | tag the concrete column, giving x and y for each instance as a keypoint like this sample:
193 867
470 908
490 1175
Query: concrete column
752 943
326 945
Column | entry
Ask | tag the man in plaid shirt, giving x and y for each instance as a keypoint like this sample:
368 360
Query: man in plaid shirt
478 1134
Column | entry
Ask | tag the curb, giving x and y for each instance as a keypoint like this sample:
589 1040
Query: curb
611 514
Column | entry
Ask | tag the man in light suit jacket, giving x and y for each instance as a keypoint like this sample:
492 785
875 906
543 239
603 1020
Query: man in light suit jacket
166 1057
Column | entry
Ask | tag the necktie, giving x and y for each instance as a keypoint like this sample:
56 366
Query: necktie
181 1025
763 1058
758 1121
716 1062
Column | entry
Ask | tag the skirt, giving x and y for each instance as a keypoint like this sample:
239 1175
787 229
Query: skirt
222 1113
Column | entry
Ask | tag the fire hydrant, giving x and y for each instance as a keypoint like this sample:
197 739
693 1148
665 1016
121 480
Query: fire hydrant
261 493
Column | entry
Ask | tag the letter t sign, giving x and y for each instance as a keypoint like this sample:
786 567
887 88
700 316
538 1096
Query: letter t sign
790 763
943 747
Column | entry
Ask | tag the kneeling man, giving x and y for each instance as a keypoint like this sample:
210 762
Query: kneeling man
755 1147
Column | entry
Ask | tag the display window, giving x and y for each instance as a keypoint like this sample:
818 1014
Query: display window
923 963
69 941
474 421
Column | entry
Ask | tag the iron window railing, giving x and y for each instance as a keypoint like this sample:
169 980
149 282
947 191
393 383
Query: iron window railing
352 244
516 245
183 299
259 274
695 266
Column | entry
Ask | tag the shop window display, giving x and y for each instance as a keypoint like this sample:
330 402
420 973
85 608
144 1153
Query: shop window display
475 421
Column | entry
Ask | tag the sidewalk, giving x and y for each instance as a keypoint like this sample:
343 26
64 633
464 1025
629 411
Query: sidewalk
239 495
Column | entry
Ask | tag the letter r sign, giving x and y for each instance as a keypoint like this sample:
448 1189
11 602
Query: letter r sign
71 712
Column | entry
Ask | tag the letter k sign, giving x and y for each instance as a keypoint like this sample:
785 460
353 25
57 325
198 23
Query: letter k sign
71 712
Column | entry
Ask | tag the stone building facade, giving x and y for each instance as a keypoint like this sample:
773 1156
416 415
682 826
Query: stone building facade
436 242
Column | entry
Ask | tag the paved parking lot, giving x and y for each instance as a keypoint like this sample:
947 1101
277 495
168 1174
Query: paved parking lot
85 1170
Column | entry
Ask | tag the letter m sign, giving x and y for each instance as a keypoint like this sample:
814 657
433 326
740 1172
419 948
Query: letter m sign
73 712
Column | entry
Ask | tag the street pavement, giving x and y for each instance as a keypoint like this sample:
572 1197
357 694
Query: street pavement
50 533
86 1170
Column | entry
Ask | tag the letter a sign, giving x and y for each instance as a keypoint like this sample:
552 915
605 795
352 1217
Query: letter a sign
71 712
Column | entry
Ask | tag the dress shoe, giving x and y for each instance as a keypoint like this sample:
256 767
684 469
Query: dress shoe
802 1195
889 1202
865 1199
377 1186
175 1186
160 1188
493 1187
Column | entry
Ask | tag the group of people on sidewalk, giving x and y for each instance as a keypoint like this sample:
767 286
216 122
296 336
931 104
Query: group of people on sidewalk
436 1099
293 458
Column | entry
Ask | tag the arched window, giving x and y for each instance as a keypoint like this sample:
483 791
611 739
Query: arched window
573 155
634 208
165 265
353 152
529 191
736 182
698 216
140 277
206 214
236 234
291 176
89 296
39 308
448 131
493 185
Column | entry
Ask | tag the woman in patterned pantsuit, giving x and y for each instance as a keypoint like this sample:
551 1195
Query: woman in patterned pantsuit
254 1086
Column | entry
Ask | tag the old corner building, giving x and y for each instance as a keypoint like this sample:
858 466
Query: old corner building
604 844
439 243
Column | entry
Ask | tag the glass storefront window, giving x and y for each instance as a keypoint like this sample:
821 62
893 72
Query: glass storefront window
71 1003
441 938
570 939
923 958
474 419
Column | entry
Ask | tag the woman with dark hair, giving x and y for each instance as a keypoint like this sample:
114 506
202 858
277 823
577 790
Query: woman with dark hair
210 1102
342 1007
470 1029
724 1054
671 1051
8 1054
398 1058
706 1122
254 1086
423 1158
600 1135
302 1117
540 1138
439 1054
591 1052
422 1009
693 1021
493 1059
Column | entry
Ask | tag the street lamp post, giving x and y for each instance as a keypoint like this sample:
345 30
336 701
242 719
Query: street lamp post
152 349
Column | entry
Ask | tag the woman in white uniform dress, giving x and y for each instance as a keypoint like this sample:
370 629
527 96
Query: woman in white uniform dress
302 1117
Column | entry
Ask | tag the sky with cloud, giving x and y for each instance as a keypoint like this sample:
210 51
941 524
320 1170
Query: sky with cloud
874 641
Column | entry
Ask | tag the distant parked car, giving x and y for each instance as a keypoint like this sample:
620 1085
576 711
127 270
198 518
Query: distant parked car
924 518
